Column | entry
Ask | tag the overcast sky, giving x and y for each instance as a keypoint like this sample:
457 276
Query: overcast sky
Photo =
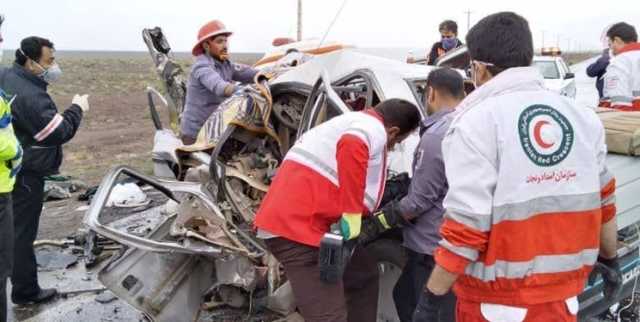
116 24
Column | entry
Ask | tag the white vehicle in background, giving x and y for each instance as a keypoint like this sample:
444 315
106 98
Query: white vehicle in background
557 75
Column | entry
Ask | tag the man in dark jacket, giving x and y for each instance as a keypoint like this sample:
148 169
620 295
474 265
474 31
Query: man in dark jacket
449 41
42 131
421 212
598 69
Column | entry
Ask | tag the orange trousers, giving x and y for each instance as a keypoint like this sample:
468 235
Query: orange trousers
467 311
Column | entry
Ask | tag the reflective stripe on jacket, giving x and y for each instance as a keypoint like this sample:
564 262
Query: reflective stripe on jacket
528 193
337 167
622 80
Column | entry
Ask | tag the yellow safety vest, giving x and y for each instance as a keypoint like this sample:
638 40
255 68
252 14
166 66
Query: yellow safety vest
10 150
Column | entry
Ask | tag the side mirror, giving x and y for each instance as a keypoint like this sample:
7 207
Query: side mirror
569 76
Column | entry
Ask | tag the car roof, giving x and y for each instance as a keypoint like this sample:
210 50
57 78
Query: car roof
390 75
346 61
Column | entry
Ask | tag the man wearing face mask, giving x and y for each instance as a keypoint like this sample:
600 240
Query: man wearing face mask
42 131
335 173
622 80
10 160
212 78
420 212
449 41
530 208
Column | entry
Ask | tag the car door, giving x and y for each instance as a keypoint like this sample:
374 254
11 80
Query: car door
323 104
158 273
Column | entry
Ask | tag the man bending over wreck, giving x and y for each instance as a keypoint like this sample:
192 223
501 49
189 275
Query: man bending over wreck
212 78
334 173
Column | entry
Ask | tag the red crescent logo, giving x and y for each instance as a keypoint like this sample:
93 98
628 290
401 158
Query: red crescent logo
538 137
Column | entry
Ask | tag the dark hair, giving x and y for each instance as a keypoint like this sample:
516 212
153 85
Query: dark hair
400 113
446 80
503 39
1 20
449 25
625 31
291 50
32 47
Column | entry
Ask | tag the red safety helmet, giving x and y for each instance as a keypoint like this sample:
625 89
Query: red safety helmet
210 29
282 41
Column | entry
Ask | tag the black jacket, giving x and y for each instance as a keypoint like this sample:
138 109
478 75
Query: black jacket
437 50
598 69
39 127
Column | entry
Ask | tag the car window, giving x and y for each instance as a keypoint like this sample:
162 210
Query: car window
357 90
548 69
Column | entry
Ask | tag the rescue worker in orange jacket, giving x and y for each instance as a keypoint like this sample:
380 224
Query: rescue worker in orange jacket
622 80
530 207
334 173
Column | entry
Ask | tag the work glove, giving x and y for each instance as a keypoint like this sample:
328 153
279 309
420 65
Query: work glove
82 101
350 225
428 307
609 269
382 220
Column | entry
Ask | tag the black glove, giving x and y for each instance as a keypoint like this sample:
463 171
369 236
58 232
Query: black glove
609 269
428 307
395 188
382 220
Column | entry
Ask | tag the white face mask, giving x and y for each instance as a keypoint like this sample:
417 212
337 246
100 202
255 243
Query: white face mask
50 74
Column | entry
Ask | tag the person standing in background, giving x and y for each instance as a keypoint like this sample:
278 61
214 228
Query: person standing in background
598 69
42 131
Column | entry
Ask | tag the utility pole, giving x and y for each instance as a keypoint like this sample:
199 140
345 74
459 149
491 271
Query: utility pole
542 45
468 12
299 35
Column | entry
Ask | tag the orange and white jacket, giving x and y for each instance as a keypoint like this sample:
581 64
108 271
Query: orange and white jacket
528 193
622 81
337 167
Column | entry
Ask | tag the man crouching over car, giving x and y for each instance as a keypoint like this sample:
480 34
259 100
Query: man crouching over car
335 173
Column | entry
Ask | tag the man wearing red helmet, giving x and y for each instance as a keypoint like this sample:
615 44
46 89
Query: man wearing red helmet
213 78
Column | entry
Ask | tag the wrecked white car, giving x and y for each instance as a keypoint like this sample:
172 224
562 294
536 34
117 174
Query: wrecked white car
192 244
191 252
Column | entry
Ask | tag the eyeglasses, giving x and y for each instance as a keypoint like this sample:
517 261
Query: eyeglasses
473 61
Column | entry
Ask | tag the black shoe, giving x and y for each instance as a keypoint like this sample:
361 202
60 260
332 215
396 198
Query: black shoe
42 296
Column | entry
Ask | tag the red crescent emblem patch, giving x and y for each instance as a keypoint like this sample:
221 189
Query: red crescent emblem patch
538 137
